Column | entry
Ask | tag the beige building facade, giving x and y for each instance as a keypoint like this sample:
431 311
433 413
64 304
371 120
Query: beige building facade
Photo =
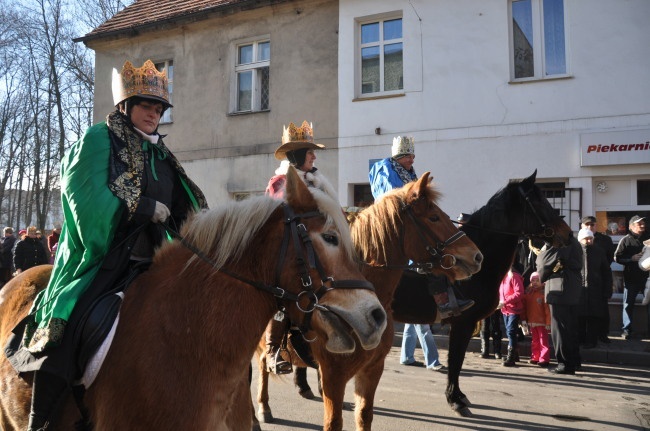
238 74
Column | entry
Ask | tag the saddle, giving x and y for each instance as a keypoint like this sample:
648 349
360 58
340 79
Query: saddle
88 327
413 299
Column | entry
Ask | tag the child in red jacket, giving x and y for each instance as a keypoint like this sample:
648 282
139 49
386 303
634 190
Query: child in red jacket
538 317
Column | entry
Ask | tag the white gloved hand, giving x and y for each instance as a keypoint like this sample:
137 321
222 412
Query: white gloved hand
160 213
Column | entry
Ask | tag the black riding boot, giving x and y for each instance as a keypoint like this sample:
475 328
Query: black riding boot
275 332
47 393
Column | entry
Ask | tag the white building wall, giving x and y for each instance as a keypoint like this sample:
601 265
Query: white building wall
474 129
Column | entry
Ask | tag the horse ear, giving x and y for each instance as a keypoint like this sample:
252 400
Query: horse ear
296 191
423 184
530 180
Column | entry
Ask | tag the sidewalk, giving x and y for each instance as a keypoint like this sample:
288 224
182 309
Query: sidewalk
619 352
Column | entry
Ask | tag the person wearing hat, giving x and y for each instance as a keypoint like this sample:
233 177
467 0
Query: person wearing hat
607 245
596 290
297 150
628 252
53 239
29 251
117 183
392 173
7 243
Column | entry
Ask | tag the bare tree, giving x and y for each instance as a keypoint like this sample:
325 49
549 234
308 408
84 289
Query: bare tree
46 96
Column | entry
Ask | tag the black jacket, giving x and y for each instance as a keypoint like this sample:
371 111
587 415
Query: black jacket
29 252
6 251
605 242
630 245
596 282
560 269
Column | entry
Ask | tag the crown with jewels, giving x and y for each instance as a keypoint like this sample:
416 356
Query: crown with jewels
295 138
304 133
146 82
403 145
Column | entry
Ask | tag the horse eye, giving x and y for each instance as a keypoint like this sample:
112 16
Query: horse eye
330 238
434 218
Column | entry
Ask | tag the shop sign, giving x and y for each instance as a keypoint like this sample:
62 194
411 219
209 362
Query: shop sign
615 148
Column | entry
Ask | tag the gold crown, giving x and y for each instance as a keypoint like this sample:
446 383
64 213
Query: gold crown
304 133
145 81
295 138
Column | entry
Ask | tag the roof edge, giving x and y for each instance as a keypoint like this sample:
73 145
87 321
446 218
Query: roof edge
180 19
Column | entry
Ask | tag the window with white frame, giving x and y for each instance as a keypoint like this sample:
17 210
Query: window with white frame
381 56
253 60
538 39
168 66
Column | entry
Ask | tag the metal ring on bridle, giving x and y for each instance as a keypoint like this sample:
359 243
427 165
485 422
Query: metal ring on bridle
453 260
313 302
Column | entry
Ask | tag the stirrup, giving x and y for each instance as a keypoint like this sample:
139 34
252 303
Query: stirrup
454 308
279 365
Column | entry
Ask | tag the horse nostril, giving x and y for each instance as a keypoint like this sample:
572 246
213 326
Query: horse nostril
478 258
378 315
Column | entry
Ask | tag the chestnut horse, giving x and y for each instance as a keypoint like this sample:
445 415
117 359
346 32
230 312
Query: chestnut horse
519 209
189 325
404 224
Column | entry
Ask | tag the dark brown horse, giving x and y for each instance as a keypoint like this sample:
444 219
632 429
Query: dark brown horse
189 325
517 210
405 224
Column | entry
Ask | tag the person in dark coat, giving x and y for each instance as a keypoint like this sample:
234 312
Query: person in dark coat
29 252
6 254
596 290
561 270
628 253
607 245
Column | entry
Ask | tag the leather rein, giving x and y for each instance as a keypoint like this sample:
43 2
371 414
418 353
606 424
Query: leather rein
295 233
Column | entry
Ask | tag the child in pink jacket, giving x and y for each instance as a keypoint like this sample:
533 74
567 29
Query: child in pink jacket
538 316
511 295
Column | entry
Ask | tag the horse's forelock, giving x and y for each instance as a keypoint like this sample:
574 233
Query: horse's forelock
225 232
334 218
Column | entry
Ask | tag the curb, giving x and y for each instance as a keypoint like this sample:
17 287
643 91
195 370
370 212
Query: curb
614 353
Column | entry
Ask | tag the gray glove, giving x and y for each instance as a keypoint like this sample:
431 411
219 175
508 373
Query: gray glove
160 213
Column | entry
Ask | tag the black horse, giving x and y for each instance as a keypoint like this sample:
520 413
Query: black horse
519 209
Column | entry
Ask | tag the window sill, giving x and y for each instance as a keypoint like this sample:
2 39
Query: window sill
547 78
235 114
384 96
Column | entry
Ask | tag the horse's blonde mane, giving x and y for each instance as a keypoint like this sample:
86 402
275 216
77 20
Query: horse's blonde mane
374 227
224 233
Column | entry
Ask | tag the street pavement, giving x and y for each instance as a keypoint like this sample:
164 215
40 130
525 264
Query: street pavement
604 396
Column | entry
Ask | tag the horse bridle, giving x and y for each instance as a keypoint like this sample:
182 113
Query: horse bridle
425 235
306 259
546 231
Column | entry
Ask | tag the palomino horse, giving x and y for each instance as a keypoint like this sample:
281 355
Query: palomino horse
189 325
517 210
405 224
